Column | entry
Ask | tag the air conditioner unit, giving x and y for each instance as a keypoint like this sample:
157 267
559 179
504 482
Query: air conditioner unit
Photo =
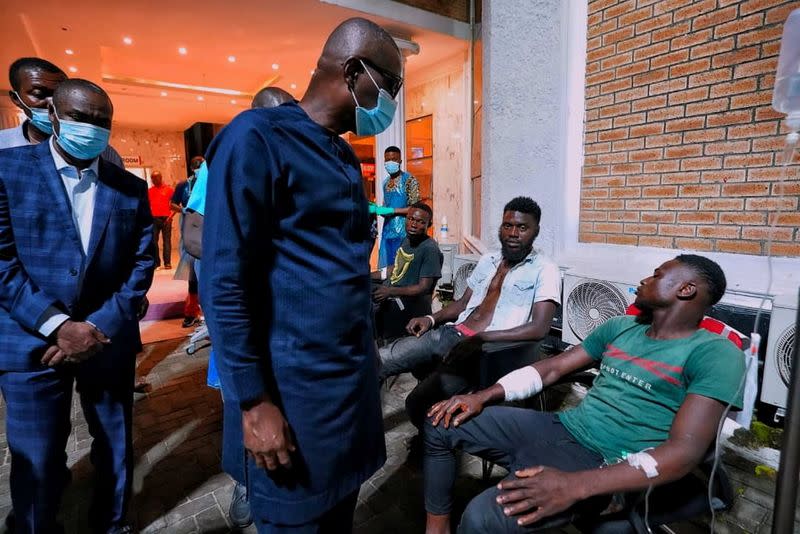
449 251
780 352
590 301
463 265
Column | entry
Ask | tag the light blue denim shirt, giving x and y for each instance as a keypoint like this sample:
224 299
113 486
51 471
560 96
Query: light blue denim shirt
534 279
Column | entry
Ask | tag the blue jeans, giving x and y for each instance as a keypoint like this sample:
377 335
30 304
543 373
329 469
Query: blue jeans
514 438
410 352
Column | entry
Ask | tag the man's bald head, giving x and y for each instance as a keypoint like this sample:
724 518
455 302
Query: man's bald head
360 37
82 101
359 58
77 88
270 97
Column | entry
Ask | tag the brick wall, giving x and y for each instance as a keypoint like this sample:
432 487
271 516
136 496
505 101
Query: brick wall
681 145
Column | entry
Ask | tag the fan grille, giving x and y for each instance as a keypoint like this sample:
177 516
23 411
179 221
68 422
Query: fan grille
784 353
460 280
591 304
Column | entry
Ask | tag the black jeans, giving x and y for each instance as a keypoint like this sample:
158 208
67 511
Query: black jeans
514 438
163 226
452 378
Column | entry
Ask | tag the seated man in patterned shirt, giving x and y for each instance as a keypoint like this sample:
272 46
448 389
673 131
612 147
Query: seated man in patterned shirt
511 296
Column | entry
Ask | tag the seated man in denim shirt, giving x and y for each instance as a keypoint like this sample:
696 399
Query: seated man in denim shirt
512 296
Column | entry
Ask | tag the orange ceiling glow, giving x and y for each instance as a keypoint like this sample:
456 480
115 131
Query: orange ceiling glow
233 49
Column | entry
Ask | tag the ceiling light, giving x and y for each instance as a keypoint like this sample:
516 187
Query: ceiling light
275 66
232 59
293 86
127 40
69 51
233 101
163 93
73 69
200 98
182 50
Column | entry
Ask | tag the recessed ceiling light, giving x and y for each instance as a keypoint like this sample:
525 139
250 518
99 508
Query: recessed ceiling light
69 51
73 69
127 40
200 98
163 93
232 59
275 66
293 86
233 102
182 50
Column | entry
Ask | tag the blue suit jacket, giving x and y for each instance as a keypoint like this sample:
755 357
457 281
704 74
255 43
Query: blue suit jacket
42 262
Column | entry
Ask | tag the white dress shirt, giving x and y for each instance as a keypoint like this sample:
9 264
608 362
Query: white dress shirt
81 189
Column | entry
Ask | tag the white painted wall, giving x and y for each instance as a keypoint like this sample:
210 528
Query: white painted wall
524 81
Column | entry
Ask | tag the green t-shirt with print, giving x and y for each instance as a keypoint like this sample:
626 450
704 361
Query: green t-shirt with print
643 382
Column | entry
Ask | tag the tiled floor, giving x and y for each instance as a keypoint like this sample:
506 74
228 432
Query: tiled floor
178 484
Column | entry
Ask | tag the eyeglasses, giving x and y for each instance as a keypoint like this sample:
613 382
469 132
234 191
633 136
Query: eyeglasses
394 81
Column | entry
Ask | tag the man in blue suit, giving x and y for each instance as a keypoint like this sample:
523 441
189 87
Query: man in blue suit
76 259
286 289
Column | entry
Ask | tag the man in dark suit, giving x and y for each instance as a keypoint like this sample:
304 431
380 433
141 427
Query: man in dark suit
76 259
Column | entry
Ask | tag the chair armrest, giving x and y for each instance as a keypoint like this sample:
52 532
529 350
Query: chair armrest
491 347
500 358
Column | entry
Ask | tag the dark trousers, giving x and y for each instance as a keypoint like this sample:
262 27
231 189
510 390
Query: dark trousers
337 520
514 438
37 427
163 226
391 321
443 383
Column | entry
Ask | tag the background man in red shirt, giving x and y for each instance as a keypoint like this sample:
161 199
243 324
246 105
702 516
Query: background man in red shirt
160 196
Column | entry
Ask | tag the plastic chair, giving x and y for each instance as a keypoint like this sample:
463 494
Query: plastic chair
676 501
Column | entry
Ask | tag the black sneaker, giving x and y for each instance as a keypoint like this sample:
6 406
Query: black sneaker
239 512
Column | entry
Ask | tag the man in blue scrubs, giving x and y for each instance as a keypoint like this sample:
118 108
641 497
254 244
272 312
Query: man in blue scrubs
286 290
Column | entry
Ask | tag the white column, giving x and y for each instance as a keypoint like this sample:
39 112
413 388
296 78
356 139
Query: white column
524 112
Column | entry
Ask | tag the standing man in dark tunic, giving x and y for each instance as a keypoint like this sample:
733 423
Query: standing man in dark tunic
286 289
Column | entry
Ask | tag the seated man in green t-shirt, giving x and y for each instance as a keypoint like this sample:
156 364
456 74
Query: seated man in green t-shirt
407 291
649 419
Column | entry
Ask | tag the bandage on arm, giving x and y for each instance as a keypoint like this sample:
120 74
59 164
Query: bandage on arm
522 383
644 461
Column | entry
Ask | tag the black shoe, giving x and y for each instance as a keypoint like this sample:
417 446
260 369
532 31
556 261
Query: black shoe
190 321
239 512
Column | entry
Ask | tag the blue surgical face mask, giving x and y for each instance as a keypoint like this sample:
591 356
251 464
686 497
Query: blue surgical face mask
392 167
39 117
374 121
82 140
